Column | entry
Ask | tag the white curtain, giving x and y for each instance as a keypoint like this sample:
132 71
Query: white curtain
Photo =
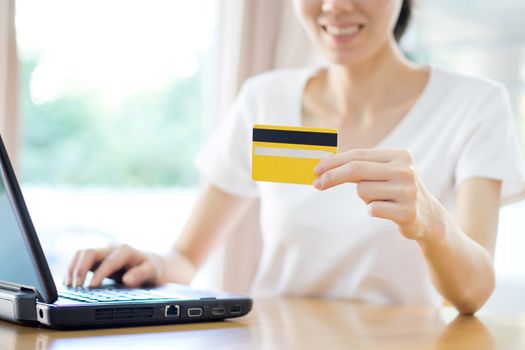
253 36
8 76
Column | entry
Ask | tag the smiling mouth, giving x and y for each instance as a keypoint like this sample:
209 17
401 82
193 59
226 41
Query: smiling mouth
339 31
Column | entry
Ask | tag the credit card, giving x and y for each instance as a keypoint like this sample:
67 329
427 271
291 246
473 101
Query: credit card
289 153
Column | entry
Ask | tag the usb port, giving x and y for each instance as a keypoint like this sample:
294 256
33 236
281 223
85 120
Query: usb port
236 310
172 311
219 310
194 312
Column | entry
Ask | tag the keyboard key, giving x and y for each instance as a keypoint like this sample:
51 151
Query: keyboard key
112 294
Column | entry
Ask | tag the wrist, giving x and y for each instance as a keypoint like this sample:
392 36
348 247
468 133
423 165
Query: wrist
436 233
178 268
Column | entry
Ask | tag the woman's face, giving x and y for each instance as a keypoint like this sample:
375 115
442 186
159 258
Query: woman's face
349 31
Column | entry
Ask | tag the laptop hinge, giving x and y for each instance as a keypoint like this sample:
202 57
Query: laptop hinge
17 304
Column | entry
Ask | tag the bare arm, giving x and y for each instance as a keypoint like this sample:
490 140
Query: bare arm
214 211
209 222
460 257
459 252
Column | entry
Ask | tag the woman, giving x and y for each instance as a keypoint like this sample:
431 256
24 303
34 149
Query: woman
414 143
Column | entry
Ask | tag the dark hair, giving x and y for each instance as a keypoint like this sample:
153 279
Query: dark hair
403 19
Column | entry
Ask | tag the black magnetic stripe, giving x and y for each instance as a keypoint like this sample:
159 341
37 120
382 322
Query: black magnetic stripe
300 137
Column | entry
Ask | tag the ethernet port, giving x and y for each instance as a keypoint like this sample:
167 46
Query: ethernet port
172 311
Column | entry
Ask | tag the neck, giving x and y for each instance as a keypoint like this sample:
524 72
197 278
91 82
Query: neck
362 88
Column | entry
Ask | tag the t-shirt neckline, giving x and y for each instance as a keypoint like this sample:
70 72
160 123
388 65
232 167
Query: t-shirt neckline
409 117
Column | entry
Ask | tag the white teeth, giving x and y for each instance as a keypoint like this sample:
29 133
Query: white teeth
341 31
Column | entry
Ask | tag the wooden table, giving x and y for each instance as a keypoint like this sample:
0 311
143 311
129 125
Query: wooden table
296 324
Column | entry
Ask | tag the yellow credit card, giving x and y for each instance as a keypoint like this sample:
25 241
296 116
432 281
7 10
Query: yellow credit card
289 153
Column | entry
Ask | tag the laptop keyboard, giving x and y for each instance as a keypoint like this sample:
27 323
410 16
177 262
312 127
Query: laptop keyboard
112 294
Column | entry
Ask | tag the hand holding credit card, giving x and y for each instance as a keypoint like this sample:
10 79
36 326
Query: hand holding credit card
289 153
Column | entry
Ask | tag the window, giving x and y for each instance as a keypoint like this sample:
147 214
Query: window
112 95
488 38
111 90
485 37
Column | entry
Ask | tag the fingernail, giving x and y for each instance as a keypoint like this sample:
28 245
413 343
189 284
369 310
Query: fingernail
319 169
318 184
74 284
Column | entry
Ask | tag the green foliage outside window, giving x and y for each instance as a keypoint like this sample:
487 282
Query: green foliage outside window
149 139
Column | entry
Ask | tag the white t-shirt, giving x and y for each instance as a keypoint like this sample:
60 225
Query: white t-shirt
324 243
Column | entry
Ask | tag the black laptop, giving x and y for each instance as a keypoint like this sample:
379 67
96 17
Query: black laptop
28 294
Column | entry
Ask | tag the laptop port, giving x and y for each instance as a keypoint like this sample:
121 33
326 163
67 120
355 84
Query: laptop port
219 310
172 311
194 312
236 310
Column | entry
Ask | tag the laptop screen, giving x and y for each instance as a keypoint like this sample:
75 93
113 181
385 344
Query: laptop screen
16 264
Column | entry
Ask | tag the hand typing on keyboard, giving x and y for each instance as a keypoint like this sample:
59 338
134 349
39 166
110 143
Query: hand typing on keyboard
134 267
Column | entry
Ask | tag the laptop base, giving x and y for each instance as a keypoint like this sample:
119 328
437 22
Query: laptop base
108 315
18 305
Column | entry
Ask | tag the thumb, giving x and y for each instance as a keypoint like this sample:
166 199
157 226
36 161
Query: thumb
139 275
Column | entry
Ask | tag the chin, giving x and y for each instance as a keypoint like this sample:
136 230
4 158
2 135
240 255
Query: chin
355 55
347 59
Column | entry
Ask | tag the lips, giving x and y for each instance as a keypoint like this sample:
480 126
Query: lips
339 30
342 30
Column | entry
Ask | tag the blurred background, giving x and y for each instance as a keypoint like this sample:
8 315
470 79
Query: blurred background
114 99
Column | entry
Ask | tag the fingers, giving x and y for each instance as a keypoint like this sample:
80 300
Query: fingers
365 165
121 257
354 171
71 269
399 213
368 155
109 261
84 261
139 275
370 191
385 180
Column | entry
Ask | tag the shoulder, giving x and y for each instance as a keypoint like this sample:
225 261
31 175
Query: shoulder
275 83
276 77
274 96
463 100
466 88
